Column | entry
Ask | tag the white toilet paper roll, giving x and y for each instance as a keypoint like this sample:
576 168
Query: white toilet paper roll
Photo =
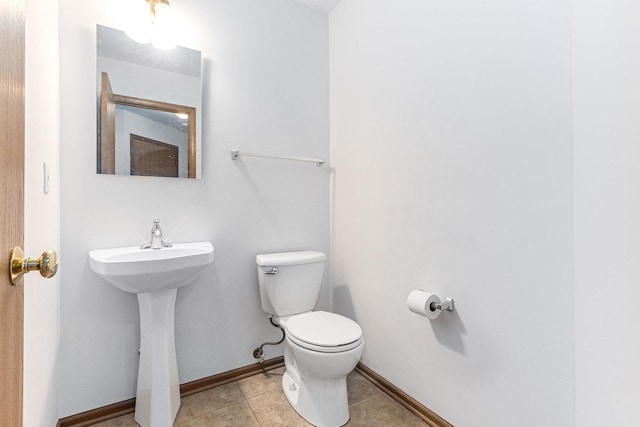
420 301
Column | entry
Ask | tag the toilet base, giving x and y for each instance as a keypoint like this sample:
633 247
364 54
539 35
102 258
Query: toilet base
322 402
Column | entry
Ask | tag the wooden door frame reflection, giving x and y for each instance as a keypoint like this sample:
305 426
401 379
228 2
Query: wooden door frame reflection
106 128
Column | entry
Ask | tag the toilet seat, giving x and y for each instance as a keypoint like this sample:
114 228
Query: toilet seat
324 332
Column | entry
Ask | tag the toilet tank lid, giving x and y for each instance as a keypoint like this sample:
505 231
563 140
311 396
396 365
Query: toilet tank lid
289 258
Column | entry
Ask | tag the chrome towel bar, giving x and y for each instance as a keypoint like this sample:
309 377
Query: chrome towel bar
236 153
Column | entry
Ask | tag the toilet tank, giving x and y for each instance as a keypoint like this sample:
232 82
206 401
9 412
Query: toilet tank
290 282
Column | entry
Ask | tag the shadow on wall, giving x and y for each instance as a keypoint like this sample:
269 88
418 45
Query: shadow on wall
342 302
449 330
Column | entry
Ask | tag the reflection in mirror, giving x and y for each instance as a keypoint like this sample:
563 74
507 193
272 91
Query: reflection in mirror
149 106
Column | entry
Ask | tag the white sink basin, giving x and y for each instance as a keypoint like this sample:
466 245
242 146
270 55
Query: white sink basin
154 275
136 270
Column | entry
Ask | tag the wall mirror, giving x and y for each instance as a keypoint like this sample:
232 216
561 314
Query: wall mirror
149 108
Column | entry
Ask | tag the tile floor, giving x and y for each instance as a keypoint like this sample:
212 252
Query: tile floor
258 401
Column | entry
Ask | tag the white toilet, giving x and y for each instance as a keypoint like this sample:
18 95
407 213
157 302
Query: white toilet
320 348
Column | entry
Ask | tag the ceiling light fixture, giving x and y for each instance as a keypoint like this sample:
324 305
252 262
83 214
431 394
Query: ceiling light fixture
150 21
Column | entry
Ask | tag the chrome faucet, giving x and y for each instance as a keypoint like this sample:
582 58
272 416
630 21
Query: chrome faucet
156 238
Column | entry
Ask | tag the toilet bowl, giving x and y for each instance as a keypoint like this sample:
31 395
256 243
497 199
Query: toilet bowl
320 348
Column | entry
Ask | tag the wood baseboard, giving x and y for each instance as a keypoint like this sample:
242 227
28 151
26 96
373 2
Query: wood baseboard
427 415
203 384
128 406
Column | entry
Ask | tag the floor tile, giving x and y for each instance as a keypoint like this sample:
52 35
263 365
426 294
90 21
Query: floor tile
382 411
235 415
209 400
360 389
261 383
123 421
273 410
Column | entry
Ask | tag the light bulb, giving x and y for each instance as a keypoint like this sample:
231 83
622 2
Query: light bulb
139 25
144 25
163 27
162 12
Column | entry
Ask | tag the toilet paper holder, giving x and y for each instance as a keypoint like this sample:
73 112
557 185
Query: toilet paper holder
428 305
447 305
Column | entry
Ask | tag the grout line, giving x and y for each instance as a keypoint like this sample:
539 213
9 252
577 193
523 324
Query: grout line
246 399
246 402
253 412
366 400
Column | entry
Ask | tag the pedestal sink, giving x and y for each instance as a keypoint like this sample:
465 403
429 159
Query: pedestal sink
155 276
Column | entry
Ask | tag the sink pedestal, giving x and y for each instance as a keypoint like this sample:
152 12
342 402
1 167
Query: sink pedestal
158 395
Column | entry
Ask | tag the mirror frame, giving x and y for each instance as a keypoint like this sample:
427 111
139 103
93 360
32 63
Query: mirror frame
106 131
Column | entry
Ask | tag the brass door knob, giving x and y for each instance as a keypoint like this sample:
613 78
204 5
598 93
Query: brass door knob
19 265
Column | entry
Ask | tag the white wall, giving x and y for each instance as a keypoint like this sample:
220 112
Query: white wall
606 131
265 89
42 214
450 140
151 83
